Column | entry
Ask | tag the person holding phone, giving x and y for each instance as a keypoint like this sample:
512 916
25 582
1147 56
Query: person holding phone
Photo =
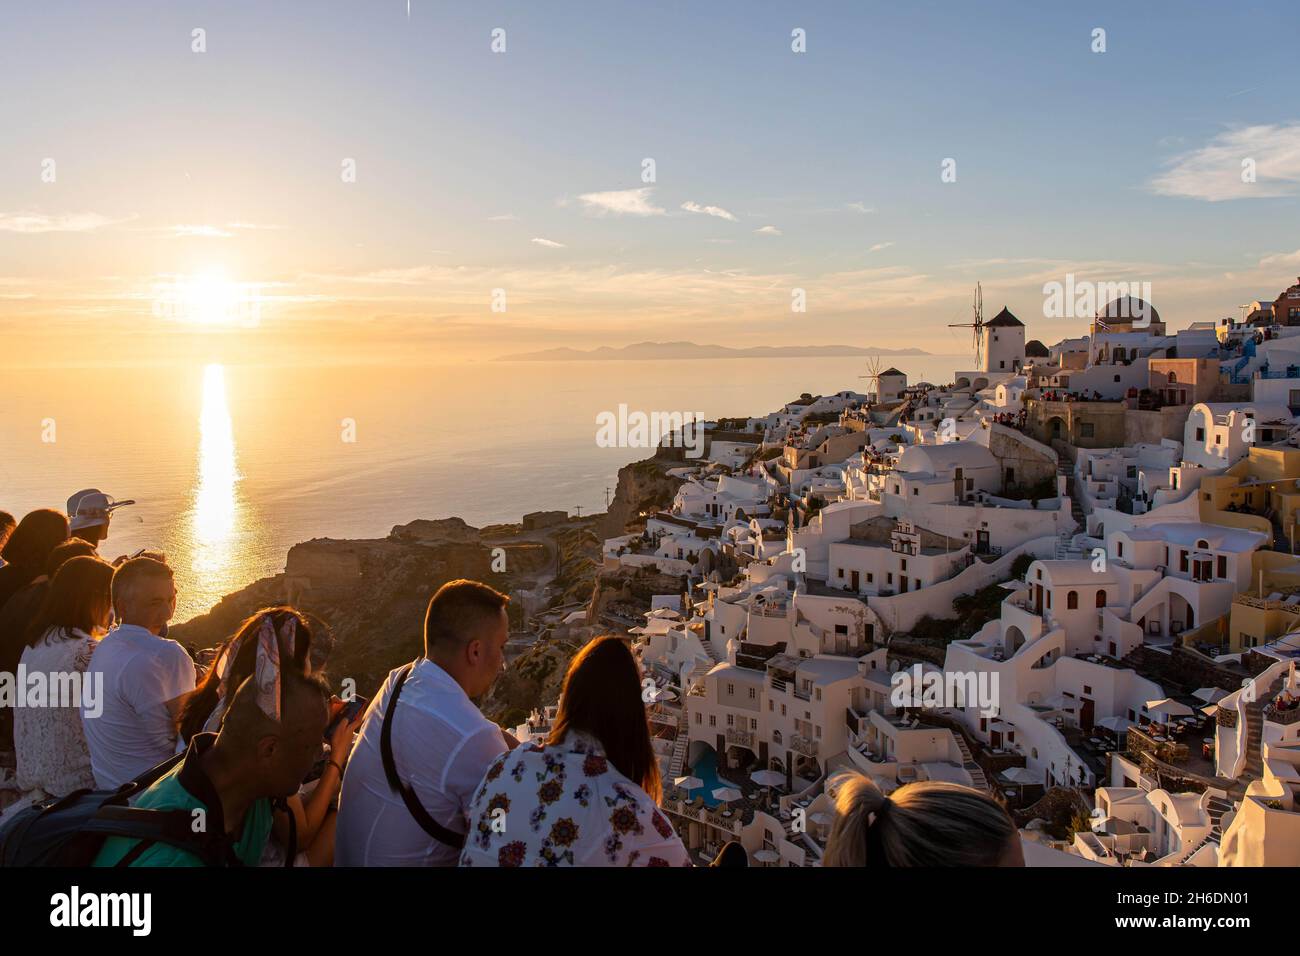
313 805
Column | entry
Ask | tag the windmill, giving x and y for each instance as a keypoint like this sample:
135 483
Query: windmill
873 376
977 326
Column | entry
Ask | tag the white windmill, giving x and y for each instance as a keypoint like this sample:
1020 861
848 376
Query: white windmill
873 376
976 326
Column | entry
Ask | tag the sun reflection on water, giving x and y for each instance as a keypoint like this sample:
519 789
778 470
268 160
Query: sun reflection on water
216 514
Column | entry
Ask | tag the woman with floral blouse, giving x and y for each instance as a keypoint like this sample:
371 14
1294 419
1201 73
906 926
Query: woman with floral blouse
589 796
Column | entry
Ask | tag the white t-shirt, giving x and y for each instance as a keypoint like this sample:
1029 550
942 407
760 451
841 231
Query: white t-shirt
141 673
442 747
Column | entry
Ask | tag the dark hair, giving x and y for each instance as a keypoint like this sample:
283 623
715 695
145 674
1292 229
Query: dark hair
602 697
7 524
78 597
125 577
39 533
458 610
72 548
199 705
932 823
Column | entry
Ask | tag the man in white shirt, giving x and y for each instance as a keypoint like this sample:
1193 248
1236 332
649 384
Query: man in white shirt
442 745
146 677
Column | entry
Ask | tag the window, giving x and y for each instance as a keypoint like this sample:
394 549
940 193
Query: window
1200 434
769 706
889 578
1085 429
731 720
1119 549
916 491
1218 439
731 690
1049 600
970 484
839 572
1087 689
1117 378
699 718
903 564
1072 601
1223 566
818 694
870 577
753 694
818 731
1182 561
1101 599
753 724
713 720
783 710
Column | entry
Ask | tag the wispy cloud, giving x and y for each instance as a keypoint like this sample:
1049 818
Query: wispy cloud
860 207
35 222
203 232
505 217
880 245
629 202
1214 172
708 210
767 231
548 243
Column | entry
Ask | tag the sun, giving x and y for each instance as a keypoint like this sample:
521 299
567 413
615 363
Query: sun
209 299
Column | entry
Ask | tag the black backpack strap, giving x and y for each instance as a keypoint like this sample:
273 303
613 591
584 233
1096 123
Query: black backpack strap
148 778
282 805
427 823
173 827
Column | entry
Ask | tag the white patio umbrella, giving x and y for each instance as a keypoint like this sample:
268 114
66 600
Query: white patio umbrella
1021 775
822 819
1211 695
688 782
767 778
1115 724
727 794
766 856
1168 707
664 693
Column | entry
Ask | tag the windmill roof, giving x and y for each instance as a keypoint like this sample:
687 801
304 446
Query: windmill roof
891 371
1005 318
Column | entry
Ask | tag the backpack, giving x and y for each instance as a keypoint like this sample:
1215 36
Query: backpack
427 823
71 830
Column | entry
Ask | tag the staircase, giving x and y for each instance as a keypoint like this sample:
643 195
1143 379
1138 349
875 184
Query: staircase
1216 807
1255 729
680 744
977 778
1065 541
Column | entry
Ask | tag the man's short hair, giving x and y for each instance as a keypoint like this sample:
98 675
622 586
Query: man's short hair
246 724
132 572
458 610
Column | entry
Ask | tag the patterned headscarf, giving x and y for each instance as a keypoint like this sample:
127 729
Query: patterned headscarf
271 650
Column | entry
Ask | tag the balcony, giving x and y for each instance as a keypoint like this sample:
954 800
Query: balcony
803 745
741 738
1276 715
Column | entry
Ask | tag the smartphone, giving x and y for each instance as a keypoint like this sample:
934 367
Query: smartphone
349 713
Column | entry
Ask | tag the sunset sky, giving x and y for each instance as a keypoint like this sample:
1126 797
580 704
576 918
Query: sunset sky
209 180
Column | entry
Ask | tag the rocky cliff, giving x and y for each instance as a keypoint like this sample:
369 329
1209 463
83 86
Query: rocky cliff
370 595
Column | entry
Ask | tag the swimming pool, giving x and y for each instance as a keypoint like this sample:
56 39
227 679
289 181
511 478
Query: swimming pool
706 768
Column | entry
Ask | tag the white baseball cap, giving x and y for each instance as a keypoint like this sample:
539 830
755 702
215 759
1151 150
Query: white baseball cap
92 507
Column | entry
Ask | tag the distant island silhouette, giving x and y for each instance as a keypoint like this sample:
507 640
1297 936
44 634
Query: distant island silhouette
692 350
